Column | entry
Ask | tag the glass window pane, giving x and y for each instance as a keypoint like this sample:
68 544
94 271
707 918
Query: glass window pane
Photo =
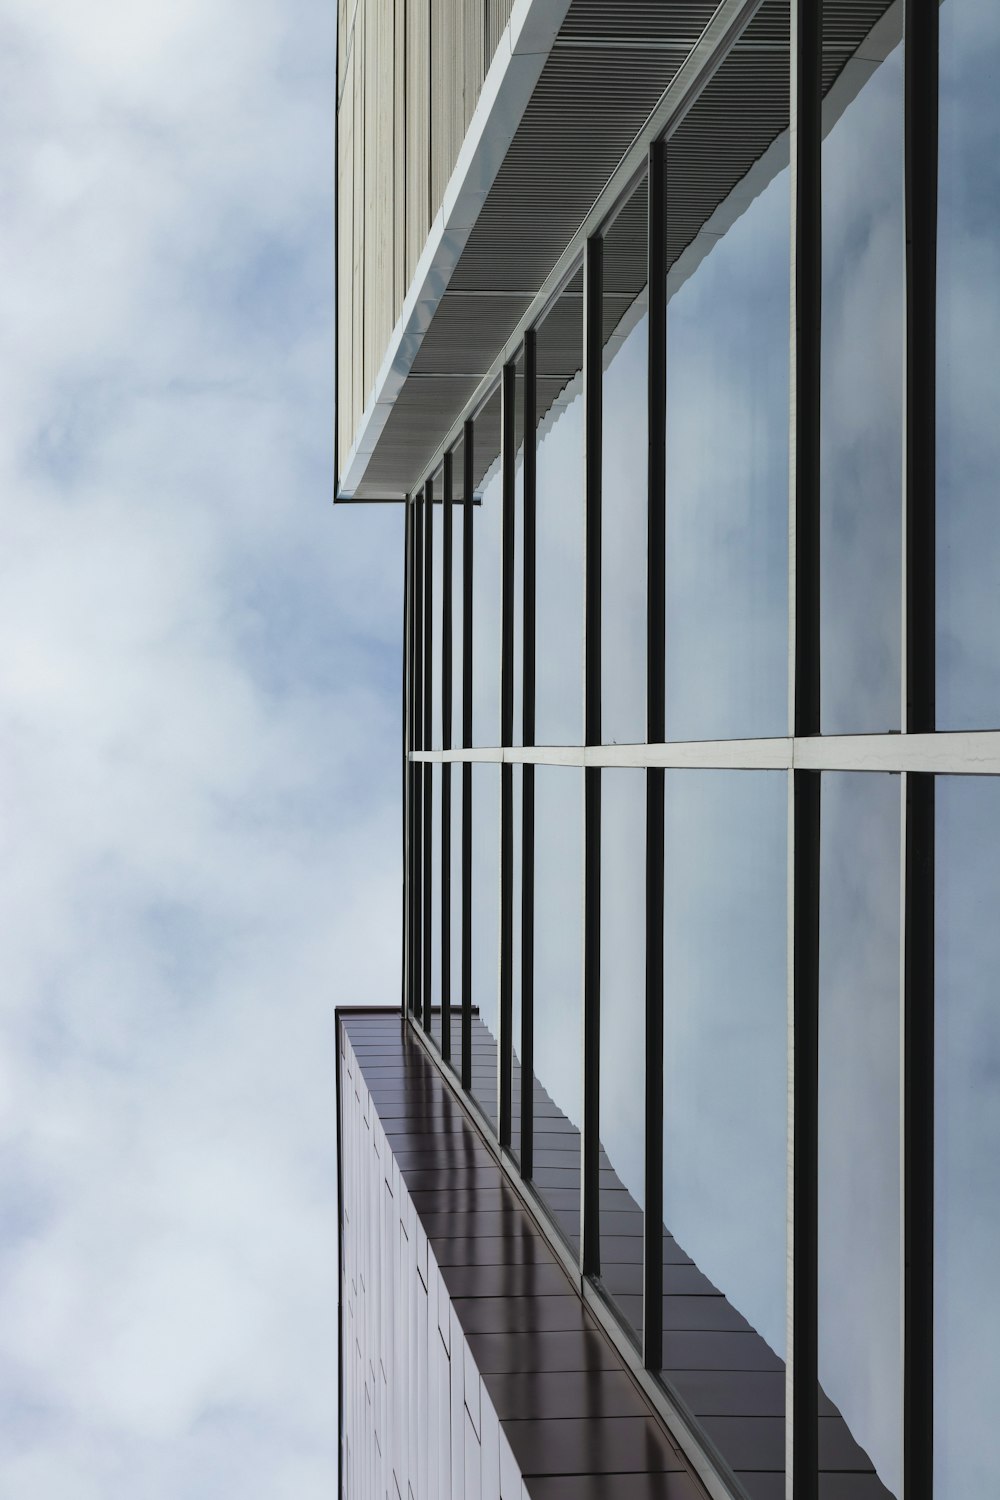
727 399
624 517
968 367
558 978
434 772
518 662
517 803
725 1099
486 533
859 1104
862 370
436 586
623 1037
457 588
967 1130
453 776
416 910
485 934
559 522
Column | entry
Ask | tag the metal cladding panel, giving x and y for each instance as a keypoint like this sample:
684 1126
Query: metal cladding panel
416 426
451 351
475 61
345 27
345 260
409 76
448 20
379 229
418 143
443 25
371 186
358 229
497 16
399 279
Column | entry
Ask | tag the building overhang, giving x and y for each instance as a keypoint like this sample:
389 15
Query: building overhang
568 103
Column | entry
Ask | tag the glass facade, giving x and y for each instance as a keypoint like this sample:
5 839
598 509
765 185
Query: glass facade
724 1043
624 446
727 409
559 520
861 390
485 935
968 351
967 1136
558 947
486 575
436 892
742 979
860 1095
517 1016
623 1038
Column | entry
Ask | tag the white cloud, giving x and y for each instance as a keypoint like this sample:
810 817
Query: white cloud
199 707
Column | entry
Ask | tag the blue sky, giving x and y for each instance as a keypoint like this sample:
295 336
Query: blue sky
199 738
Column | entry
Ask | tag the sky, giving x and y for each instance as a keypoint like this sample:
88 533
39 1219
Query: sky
199 741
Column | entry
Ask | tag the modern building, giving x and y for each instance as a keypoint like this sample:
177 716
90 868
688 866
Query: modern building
674 326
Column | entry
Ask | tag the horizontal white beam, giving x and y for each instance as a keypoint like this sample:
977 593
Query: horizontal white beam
959 753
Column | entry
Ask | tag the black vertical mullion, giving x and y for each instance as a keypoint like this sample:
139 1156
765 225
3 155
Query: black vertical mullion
446 707
920 49
593 435
505 1040
590 1211
805 120
446 911
468 514
918 1139
417 785
428 777
528 773
805 1114
529 543
652 1280
920 52
508 388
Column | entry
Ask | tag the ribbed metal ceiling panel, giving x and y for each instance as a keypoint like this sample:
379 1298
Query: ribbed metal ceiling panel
420 417
585 112
743 109
449 348
559 348
845 22
659 20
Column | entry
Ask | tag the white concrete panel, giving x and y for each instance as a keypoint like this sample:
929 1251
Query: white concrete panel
444 1425
473 1461
457 1366
472 1389
489 1437
510 1474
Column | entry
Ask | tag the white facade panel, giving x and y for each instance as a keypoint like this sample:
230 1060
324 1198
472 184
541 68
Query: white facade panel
418 1423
